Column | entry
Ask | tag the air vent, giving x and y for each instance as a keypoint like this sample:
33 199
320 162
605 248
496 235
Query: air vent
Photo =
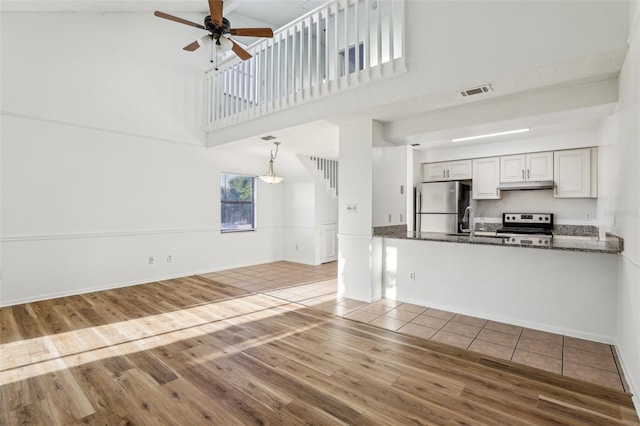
476 91
268 138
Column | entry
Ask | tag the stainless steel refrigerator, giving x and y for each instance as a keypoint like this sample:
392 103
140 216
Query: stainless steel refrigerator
440 206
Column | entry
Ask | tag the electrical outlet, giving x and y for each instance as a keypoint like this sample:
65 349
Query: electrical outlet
588 216
169 259
401 189
151 260
412 275
401 218
389 218
352 208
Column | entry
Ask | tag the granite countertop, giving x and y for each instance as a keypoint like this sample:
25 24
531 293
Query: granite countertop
612 244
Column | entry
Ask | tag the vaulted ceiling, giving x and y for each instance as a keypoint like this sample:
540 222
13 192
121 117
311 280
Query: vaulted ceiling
406 123
274 12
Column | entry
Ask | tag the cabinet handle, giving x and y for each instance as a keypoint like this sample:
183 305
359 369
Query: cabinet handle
528 174
444 174
447 173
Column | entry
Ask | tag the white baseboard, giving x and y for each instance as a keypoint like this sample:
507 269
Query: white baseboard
75 292
609 340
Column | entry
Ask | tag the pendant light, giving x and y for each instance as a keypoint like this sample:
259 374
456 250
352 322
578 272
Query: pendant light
270 176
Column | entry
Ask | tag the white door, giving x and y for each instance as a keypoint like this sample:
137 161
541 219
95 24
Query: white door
512 168
540 166
486 178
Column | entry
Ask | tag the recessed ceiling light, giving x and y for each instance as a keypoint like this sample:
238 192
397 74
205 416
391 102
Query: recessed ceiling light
488 135
268 138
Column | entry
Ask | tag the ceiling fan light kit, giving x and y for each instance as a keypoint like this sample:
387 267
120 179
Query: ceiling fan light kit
218 28
270 175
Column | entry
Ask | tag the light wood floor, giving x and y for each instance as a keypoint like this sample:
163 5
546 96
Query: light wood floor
194 351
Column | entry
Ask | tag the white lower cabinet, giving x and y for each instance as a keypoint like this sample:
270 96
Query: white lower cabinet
486 178
575 173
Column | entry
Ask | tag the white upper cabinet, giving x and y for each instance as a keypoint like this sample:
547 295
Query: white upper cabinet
486 177
576 173
434 171
523 167
446 170
512 168
539 166
459 170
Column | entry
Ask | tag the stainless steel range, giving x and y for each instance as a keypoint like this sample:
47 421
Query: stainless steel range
535 229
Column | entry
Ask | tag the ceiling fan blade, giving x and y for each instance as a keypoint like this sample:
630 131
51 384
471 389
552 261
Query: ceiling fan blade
238 50
191 46
215 9
176 19
252 32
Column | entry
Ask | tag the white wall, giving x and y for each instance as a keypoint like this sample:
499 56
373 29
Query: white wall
390 171
310 211
626 178
103 163
300 219
355 247
566 211
570 293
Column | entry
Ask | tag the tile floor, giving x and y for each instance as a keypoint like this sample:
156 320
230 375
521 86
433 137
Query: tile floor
316 286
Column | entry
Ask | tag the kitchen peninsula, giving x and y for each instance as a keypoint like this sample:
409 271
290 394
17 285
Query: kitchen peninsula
611 244
568 287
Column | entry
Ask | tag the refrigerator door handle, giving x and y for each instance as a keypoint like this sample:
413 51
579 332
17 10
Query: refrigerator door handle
418 208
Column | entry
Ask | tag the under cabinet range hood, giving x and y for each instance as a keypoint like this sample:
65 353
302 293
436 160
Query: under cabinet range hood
516 186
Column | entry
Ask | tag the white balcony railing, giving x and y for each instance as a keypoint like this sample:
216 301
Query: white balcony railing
342 45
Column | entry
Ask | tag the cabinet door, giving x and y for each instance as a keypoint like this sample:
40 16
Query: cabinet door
434 172
539 166
486 177
512 168
459 170
572 173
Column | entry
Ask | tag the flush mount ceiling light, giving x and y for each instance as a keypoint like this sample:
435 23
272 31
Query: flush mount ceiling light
488 135
270 176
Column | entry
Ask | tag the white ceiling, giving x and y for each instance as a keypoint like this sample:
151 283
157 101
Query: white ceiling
274 12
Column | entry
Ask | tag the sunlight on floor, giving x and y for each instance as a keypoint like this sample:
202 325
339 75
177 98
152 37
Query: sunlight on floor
28 358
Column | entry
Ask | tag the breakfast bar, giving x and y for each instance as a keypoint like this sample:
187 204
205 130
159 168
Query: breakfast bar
567 287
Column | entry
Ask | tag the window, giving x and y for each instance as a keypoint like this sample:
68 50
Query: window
237 202
352 59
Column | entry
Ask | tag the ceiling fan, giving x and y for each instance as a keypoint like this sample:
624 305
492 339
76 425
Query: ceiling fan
218 27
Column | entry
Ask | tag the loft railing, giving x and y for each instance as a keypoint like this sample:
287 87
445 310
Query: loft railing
329 170
344 44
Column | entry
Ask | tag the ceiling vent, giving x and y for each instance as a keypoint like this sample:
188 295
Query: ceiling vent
476 91
268 138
